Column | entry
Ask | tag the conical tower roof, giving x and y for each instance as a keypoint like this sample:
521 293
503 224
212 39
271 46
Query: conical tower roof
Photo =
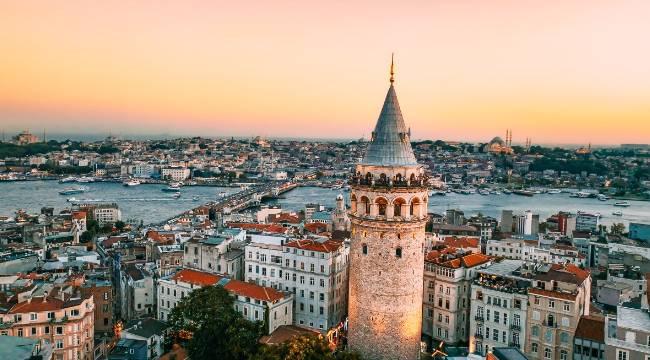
390 143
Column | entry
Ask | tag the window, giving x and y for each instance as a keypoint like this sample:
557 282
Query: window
364 249
564 355
398 252
551 304
547 353
59 344
535 331
59 330
33 316
622 354
533 347
566 306
496 316
322 282
564 337
46 330
33 332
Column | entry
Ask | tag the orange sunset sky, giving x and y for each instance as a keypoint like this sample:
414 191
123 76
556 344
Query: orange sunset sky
557 71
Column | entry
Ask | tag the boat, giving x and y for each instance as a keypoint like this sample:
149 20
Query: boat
622 204
176 195
507 191
617 213
222 194
174 187
196 198
132 182
72 199
69 179
86 179
72 191
523 192
554 191
484 192
581 194
602 197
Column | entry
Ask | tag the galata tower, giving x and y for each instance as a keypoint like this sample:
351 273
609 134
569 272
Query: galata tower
388 213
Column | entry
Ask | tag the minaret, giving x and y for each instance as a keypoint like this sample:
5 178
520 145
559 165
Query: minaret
388 201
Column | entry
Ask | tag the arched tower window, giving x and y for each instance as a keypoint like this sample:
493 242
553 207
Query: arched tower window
368 177
397 206
365 205
364 249
381 206
415 206
398 178
353 203
382 178
398 252
412 178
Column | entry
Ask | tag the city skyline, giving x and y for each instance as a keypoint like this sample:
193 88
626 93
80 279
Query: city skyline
563 73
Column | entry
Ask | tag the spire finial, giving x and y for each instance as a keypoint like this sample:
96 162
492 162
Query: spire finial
392 68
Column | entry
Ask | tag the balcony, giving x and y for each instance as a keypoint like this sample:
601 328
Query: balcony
420 181
515 327
479 318
478 336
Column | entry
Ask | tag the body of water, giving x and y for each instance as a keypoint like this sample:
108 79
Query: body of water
146 202
149 204
543 204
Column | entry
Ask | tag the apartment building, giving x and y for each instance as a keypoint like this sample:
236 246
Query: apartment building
315 271
447 289
62 320
219 254
256 303
627 334
107 214
499 305
175 173
558 297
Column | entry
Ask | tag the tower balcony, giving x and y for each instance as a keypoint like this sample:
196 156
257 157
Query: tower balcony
413 182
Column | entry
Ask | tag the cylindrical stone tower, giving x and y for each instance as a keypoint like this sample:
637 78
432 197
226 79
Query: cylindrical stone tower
388 200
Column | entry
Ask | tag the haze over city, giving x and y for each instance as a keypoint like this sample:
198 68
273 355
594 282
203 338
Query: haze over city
561 72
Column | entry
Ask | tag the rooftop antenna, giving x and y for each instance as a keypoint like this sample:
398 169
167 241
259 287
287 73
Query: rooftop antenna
392 68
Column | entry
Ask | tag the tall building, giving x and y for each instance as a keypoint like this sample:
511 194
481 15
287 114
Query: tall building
447 287
388 213
340 220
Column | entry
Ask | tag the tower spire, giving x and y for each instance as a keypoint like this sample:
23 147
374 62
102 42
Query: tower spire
392 68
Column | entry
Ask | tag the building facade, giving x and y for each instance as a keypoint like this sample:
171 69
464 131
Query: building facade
388 213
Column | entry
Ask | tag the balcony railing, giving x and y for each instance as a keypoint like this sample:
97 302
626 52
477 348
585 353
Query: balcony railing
419 181
479 318
515 327
478 336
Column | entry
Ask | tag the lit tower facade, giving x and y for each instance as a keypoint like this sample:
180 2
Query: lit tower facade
388 201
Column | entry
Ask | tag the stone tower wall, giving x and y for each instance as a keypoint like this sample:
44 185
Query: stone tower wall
385 298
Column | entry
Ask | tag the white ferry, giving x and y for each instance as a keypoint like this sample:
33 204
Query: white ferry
622 204
132 182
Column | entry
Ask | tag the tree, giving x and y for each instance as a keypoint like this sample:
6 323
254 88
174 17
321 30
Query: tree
307 347
617 229
86 236
119 225
216 330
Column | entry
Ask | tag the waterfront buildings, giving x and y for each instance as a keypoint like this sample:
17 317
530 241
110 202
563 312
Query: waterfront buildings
220 254
388 214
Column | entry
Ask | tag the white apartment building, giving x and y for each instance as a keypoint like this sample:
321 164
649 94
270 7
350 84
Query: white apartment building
528 250
175 173
256 303
315 271
499 305
587 222
107 214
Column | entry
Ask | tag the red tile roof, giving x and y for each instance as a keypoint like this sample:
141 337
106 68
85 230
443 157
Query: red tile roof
316 227
79 215
461 242
253 291
552 294
196 277
591 328
466 261
284 218
272 228
312 245
162 239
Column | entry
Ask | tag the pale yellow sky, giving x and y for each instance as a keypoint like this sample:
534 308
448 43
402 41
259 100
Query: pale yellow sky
563 72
